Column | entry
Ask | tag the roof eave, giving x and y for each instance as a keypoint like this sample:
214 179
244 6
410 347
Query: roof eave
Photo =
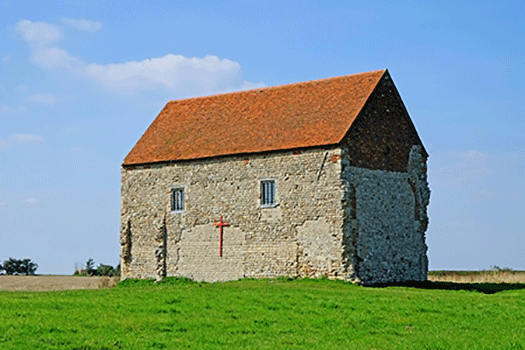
236 155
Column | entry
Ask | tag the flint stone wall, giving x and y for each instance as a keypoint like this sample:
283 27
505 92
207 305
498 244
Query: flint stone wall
385 221
259 242
330 219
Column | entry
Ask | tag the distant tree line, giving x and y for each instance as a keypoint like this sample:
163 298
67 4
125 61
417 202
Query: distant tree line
101 270
18 267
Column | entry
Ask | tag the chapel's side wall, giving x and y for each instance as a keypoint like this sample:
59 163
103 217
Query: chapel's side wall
386 220
301 236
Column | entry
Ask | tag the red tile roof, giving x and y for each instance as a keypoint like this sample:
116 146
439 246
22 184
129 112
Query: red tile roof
313 113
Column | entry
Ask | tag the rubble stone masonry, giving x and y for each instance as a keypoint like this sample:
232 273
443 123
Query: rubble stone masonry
330 218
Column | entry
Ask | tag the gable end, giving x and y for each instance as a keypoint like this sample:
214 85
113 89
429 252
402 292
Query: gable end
383 133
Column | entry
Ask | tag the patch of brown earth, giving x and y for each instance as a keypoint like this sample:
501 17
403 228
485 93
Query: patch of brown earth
480 277
50 283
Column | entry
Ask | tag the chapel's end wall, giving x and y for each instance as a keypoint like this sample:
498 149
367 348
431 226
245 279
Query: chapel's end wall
386 220
301 236
385 173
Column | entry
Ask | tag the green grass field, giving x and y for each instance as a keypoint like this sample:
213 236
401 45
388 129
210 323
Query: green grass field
266 314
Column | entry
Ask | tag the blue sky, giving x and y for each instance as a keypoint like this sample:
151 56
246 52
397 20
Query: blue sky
80 81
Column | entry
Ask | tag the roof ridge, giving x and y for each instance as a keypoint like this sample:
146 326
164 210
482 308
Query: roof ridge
277 86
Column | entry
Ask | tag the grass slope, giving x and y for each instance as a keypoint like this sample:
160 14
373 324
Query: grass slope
258 314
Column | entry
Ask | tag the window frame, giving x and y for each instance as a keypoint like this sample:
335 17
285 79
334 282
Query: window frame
173 203
266 192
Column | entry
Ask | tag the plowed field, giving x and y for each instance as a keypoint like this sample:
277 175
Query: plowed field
48 283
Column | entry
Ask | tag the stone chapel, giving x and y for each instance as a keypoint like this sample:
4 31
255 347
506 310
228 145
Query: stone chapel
320 178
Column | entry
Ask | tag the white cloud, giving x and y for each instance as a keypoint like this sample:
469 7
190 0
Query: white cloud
3 204
54 57
6 109
38 33
471 155
82 24
468 168
183 75
248 85
21 139
26 139
31 200
39 36
483 195
175 72
44 98
6 59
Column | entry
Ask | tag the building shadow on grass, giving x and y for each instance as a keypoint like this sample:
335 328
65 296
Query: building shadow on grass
486 288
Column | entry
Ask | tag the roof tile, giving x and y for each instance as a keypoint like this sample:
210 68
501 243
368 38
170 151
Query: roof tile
313 113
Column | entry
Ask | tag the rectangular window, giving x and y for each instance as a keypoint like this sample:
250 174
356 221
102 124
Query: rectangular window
267 193
177 199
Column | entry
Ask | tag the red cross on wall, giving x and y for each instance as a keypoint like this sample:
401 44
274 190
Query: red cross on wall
220 224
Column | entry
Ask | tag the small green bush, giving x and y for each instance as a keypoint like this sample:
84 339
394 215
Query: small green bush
19 267
132 282
90 267
105 270
101 270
